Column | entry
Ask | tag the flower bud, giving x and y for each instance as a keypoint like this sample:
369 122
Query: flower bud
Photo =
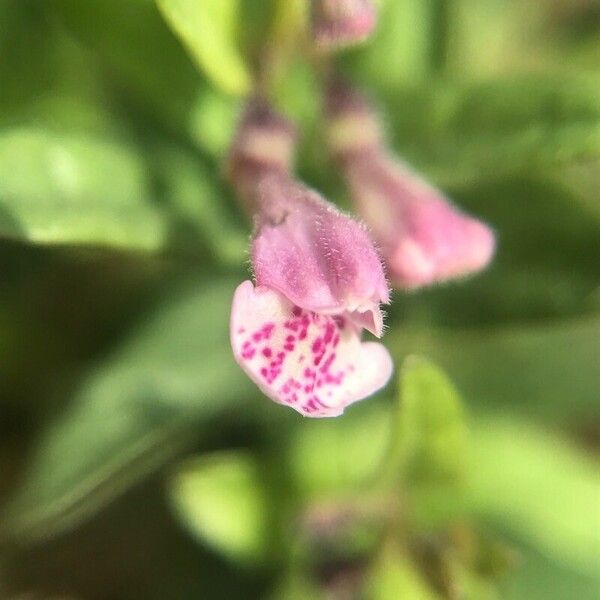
423 237
319 258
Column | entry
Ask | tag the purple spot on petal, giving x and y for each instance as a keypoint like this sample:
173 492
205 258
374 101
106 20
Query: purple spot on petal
339 321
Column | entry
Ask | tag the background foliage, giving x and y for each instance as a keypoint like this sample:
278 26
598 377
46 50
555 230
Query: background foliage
137 461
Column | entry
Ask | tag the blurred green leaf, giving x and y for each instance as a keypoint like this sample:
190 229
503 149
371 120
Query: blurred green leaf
152 71
430 441
63 111
50 68
393 575
539 487
400 51
540 578
197 203
299 95
583 180
212 121
431 430
208 30
143 58
75 189
459 132
336 456
483 38
548 371
548 238
256 19
471 585
545 264
297 586
169 378
221 499
487 37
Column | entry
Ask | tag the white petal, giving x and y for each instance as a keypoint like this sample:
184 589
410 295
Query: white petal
314 363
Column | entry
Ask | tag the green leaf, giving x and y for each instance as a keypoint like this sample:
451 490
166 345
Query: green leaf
540 578
220 498
75 189
461 132
548 370
333 457
66 112
431 430
547 240
582 180
483 38
197 203
471 584
208 30
212 121
429 449
51 67
170 377
145 61
486 37
400 51
538 487
297 585
393 575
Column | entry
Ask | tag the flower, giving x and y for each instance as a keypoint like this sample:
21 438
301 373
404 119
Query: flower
319 283
312 362
319 258
423 237
339 23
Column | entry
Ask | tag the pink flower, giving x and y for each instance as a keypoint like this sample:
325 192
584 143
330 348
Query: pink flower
319 282
423 237
339 23
319 258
